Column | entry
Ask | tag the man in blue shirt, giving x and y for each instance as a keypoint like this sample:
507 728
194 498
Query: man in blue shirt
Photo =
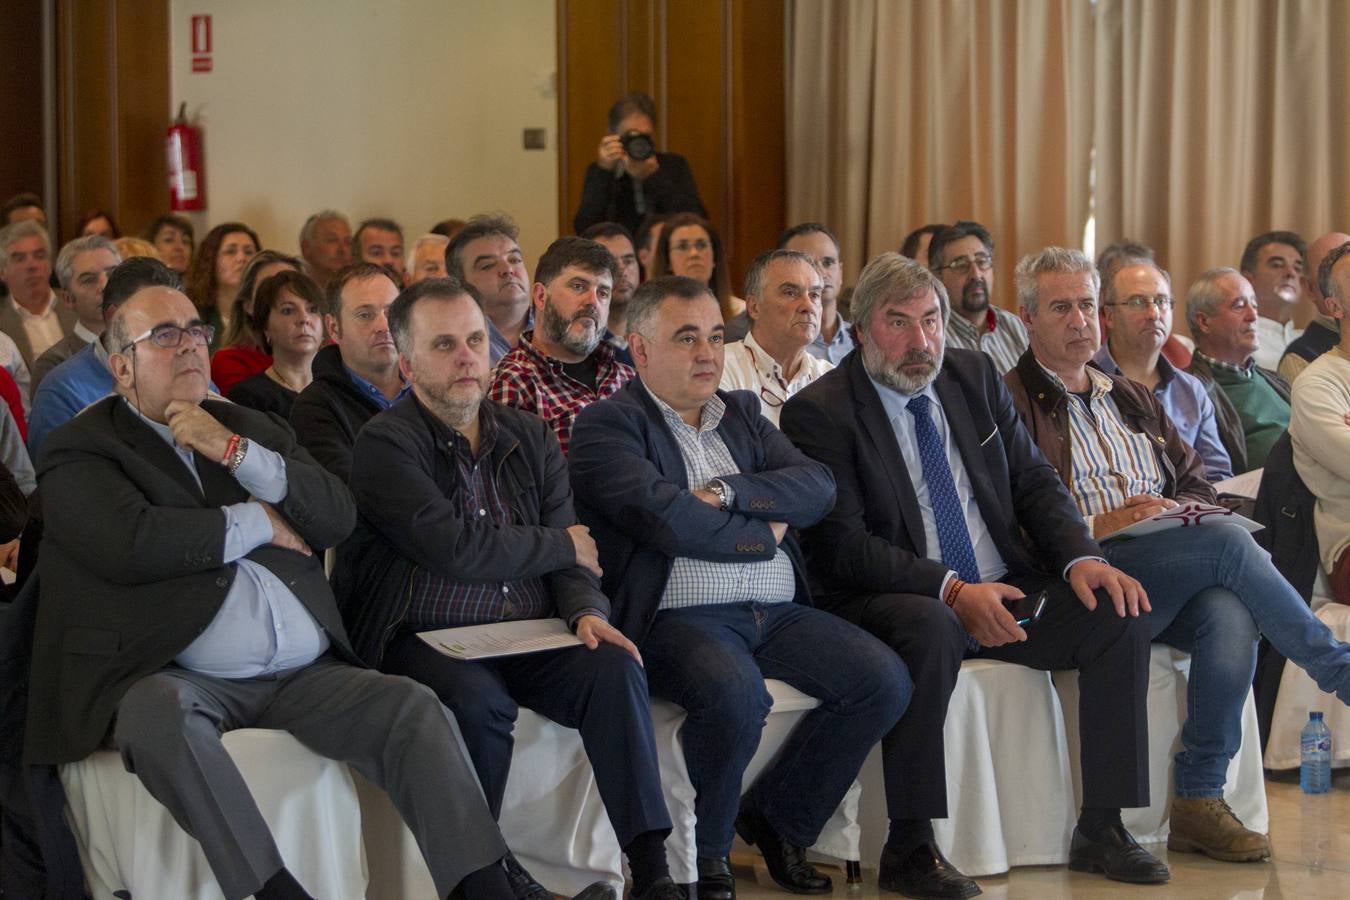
1137 306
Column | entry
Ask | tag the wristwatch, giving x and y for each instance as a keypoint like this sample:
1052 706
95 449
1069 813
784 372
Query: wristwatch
718 487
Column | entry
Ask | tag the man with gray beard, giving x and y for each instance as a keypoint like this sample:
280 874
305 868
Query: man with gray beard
938 483
563 364
962 255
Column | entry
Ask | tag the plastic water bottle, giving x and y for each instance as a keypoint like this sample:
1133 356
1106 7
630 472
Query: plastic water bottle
1314 774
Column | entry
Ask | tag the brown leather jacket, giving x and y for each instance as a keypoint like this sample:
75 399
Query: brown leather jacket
1040 403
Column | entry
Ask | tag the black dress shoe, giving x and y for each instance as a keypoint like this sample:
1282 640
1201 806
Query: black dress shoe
786 862
715 881
522 882
663 888
1115 854
597 890
925 872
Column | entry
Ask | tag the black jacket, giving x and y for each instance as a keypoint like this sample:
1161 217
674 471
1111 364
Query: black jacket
328 414
1315 340
873 542
405 480
607 198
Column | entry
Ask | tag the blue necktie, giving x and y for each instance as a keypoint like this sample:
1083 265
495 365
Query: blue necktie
958 554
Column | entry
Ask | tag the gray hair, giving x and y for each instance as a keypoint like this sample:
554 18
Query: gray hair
313 222
1050 261
65 260
649 296
754 276
410 257
891 275
1205 296
1120 265
12 234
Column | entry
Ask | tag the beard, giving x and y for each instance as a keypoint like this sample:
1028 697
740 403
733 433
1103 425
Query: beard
454 407
975 296
893 376
559 330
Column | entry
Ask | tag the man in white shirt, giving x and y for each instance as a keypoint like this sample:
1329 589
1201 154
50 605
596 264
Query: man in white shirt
31 315
1273 263
783 300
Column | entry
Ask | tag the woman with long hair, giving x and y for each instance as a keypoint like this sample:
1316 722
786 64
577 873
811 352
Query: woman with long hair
241 354
689 246
212 280
288 318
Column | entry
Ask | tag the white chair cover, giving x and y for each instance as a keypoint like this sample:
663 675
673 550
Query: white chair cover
1169 671
1300 695
129 842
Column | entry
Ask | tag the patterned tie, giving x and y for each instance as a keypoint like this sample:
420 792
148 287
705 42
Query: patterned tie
957 551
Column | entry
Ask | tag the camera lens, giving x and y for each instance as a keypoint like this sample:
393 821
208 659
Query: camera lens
637 145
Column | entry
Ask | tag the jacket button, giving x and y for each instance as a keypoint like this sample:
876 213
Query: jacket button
222 582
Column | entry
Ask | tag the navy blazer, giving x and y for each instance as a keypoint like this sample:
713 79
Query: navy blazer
873 541
630 485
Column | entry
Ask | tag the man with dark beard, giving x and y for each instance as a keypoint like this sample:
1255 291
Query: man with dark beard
945 511
563 365
963 257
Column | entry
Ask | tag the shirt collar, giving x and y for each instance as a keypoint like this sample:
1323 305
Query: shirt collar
1100 381
370 390
458 443
48 310
1108 364
159 428
896 403
1246 370
709 418
85 334
840 333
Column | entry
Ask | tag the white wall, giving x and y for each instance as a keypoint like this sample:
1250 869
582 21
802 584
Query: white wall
411 109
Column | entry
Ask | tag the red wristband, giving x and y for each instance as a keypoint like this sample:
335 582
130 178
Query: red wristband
232 446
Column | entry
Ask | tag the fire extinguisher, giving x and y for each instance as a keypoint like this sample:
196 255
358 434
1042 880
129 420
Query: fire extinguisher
187 180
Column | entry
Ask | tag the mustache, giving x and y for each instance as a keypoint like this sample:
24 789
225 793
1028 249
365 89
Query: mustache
917 356
589 311
975 284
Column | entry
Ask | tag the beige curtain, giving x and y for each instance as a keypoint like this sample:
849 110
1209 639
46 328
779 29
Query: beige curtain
903 112
1217 120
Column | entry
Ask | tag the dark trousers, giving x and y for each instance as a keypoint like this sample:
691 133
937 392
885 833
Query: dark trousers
1111 654
392 730
602 693
712 661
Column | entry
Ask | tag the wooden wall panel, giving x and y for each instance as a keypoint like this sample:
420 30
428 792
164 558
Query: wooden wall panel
112 109
21 81
715 70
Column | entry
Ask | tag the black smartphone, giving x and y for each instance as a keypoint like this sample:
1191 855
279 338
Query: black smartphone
1026 610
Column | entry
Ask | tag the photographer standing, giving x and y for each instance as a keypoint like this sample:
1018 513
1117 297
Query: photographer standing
629 178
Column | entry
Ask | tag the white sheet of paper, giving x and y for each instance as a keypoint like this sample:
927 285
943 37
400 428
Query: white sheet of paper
1244 485
501 638
1187 515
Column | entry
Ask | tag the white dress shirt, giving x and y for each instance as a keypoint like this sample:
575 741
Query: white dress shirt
749 367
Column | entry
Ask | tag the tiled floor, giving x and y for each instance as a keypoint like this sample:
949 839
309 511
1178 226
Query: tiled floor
1310 838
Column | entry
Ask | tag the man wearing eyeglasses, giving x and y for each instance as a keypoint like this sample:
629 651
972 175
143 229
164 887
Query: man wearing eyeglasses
963 257
783 300
1210 587
199 526
1137 308
1251 404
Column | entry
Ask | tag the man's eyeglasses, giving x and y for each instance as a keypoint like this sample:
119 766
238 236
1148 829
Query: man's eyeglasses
770 398
1141 302
170 336
686 246
961 265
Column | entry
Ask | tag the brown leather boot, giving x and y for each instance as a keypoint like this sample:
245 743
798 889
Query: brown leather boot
1207 825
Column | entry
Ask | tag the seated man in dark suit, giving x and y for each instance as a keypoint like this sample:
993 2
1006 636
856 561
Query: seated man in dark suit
691 493
466 518
183 596
938 481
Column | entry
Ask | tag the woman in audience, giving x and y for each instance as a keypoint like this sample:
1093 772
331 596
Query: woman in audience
689 246
128 246
241 354
287 315
98 222
173 238
213 279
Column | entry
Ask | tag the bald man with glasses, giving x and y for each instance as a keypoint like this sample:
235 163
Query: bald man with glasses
962 257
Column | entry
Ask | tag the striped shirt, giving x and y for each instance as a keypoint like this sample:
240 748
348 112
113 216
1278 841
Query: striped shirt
441 602
1110 462
1003 337
700 582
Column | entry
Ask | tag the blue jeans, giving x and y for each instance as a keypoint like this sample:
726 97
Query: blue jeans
1197 579
712 660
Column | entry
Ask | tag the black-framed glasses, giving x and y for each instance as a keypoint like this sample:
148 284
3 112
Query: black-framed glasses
962 264
169 336
1141 302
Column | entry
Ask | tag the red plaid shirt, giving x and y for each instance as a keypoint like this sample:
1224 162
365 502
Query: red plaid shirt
533 382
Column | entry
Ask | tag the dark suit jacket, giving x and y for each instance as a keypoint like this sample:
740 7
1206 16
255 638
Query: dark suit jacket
12 324
406 482
131 563
873 540
631 491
